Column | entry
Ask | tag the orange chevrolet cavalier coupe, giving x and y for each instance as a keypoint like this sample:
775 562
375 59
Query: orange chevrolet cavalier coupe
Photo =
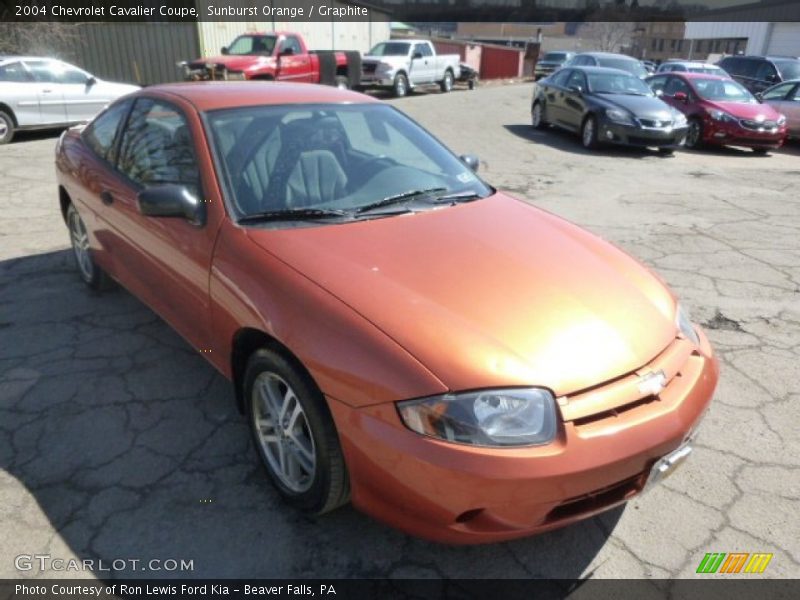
457 363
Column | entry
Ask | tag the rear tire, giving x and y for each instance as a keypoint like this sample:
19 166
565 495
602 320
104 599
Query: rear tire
446 84
342 82
400 86
92 275
761 151
294 434
589 133
6 128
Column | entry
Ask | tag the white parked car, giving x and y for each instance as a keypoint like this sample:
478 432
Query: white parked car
43 93
405 64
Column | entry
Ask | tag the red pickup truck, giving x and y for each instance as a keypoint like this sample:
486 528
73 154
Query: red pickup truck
278 56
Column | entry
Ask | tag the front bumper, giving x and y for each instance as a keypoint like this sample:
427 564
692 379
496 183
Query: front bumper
634 135
464 494
733 134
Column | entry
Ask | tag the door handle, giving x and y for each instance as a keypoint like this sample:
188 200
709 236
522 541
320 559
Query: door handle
106 197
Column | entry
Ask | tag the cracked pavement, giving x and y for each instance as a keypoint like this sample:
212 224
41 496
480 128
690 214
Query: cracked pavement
119 441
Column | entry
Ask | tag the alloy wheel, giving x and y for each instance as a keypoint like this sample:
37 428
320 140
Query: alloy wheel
588 133
80 245
693 135
536 115
283 432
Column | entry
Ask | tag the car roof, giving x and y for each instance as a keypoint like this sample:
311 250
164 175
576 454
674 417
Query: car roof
213 95
691 63
689 75
608 55
592 69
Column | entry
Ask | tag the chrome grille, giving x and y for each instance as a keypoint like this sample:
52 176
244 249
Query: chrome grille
756 125
654 123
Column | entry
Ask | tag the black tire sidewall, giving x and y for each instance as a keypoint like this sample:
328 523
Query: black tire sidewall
329 471
9 135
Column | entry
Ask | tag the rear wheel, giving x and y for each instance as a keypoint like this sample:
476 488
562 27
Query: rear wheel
90 273
447 83
589 133
761 151
694 135
6 127
294 434
400 85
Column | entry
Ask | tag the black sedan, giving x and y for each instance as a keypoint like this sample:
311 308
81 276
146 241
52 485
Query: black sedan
606 105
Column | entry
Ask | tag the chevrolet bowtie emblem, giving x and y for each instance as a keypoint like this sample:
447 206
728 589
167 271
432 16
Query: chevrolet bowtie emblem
653 383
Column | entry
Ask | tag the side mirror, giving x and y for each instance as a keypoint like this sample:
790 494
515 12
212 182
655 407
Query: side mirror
681 97
171 200
287 51
575 88
224 50
90 81
760 97
772 78
416 55
472 161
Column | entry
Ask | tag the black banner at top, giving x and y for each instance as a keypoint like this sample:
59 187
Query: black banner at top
399 10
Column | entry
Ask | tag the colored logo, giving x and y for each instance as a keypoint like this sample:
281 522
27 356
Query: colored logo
735 562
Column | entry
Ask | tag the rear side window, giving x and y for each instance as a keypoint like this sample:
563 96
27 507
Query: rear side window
675 85
778 92
101 134
657 83
13 72
766 72
157 147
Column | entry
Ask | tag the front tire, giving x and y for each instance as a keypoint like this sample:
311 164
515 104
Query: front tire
92 275
694 135
538 120
447 83
294 434
400 85
6 128
589 133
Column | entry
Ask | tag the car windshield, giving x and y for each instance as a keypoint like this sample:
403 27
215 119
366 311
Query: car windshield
253 44
337 158
722 90
634 67
790 69
555 56
390 49
618 83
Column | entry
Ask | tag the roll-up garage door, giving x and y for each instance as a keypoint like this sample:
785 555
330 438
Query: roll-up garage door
785 39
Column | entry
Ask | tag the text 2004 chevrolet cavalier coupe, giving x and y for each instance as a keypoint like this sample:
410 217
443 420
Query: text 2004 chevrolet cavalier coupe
458 363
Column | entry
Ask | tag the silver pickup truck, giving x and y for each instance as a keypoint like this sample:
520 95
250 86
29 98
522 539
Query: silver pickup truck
403 65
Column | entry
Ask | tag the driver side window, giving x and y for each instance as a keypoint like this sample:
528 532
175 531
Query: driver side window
576 80
675 85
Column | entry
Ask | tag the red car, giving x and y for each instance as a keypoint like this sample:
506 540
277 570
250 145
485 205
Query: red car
721 111
459 363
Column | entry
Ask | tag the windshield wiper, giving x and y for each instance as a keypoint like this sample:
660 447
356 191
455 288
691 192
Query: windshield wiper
295 214
398 198
458 197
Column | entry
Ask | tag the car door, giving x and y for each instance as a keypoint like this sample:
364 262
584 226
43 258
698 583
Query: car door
675 85
554 91
168 259
84 96
573 104
19 91
295 65
791 108
420 71
49 95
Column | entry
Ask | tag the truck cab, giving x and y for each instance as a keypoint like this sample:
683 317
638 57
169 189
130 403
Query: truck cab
402 65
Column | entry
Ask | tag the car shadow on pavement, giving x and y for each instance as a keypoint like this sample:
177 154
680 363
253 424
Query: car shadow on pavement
35 135
566 141
118 436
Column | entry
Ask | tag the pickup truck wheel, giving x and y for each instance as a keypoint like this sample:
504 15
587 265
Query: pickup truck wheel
6 128
447 83
92 275
294 434
342 82
400 85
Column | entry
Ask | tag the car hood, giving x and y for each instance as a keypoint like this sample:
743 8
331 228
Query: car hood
231 62
743 110
644 107
490 293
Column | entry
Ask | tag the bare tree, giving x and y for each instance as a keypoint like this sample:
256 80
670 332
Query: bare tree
38 38
608 36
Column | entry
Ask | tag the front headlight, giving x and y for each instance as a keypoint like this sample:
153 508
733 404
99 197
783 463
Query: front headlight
684 324
619 116
504 417
721 115
678 119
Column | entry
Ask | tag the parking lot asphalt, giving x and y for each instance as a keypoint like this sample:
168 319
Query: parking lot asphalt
118 441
